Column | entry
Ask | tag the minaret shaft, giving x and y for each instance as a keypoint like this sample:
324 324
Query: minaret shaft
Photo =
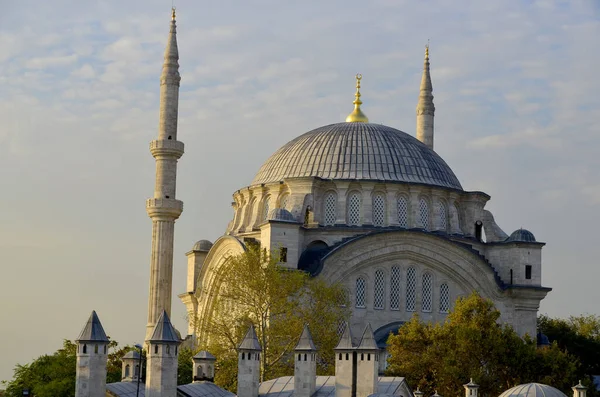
164 208
425 106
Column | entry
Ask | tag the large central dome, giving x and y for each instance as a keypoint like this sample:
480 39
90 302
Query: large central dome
358 151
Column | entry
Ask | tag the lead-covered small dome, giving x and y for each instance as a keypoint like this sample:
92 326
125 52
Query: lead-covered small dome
202 245
281 215
363 151
522 235
533 390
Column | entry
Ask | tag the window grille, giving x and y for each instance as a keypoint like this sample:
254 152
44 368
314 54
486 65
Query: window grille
395 288
329 210
427 293
444 298
379 290
443 216
340 328
284 200
411 289
402 212
379 210
424 214
354 209
360 292
266 208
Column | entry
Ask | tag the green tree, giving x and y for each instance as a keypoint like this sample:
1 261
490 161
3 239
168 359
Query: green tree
184 366
471 343
278 302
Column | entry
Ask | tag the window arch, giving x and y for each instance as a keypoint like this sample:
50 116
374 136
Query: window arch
265 213
361 293
395 288
443 216
402 211
329 209
378 209
424 214
444 298
427 286
354 209
379 290
411 289
127 369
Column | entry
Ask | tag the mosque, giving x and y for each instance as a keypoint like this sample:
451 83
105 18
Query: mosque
358 203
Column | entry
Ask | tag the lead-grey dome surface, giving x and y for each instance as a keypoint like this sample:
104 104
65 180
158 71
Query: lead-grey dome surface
533 390
362 151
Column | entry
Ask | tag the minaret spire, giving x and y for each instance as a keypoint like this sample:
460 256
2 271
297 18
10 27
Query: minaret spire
425 107
163 208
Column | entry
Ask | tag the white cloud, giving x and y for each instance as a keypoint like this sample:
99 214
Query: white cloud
50 61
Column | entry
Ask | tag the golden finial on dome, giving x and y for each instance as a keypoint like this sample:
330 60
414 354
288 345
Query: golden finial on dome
357 116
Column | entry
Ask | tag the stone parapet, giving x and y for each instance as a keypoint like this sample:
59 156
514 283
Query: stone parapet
169 208
166 148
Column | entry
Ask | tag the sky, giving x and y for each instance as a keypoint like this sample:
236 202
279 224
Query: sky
516 95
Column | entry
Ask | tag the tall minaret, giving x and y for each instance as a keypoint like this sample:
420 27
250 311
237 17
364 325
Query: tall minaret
164 209
425 107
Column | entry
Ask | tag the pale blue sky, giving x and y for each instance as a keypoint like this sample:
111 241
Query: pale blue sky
516 91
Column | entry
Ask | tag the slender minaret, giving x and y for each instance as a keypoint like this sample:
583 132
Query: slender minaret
161 371
425 107
164 209
92 356
305 368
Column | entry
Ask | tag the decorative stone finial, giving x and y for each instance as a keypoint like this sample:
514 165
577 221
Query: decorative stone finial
173 13
357 116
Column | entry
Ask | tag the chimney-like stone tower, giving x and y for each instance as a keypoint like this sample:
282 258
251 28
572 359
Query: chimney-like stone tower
92 355
367 364
130 369
204 367
345 363
471 389
249 365
579 390
305 369
425 107
163 208
161 369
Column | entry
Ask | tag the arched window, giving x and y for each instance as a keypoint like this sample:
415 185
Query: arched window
329 212
127 370
427 293
443 216
411 289
395 288
360 292
283 201
96 349
444 298
424 214
155 349
266 208
379 290
402 211
84 349
354 209
378 210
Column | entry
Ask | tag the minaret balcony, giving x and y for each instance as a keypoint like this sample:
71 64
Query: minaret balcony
166 148
164 207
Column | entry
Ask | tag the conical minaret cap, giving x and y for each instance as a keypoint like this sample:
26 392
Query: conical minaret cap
172 52
93 331
367 342
345 342
164 331
250 341
306 342
425 104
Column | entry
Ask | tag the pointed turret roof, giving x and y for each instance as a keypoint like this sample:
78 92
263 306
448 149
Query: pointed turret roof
93 331
345 342
367 342
250 341
164 331
172 52
306 342
204 355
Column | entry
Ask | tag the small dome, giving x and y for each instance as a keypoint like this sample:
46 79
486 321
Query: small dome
202 245
522 235
533 390
281 215
132 354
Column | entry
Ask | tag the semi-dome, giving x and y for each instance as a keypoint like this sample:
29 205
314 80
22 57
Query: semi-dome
363 151
522 235
533 390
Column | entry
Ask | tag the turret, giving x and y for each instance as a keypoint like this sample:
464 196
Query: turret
130 369
161 371
425 107
579 390
204 367
163 208
305 368
249 365
471 389
92 355
367 364
345 361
